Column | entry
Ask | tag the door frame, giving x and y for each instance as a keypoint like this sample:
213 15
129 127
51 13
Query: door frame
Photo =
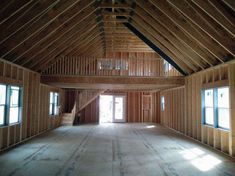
123 120
124 106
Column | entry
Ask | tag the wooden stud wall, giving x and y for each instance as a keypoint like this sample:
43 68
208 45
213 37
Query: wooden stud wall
134 108
173 114
35 111
139 64
183 107
90 114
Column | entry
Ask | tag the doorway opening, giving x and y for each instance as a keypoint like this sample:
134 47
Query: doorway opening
112 108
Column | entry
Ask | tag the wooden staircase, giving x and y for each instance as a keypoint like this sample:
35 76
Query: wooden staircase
67 119
86 97
82 99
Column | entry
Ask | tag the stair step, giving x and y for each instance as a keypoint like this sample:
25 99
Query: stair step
67 119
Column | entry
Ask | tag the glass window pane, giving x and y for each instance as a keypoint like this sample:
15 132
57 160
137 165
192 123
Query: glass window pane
118 110
56 110
223 118
56 99
209 116
223 97
162 103
2 94
14 115
51 97
2 115
209 98
51 109
14 97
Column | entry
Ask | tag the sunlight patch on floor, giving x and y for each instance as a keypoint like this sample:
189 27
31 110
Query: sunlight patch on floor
200 160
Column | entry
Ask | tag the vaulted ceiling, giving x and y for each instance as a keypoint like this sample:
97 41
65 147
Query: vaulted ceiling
191 34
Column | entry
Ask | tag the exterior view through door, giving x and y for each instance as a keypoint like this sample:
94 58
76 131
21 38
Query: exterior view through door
112 108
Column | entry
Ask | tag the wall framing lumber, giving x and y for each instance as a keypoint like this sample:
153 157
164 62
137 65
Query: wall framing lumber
35 110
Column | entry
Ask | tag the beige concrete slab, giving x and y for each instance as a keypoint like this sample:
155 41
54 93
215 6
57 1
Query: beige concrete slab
114 150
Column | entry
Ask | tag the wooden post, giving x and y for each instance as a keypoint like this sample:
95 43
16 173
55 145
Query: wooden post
231 73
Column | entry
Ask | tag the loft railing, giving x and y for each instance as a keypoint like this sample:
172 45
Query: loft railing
81 66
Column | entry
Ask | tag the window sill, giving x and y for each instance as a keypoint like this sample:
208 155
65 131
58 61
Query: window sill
207 125
10 125
223 129
54 116
219 128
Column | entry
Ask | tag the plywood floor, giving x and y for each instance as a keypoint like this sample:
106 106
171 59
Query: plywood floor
114 150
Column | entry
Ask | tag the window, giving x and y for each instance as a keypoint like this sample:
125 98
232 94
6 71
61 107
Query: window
2 103
10 104
162 103
14 104
112 64
167 66
216 107
54 103
209 107
223 107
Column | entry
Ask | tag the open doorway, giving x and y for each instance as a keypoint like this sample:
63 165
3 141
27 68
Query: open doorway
112 108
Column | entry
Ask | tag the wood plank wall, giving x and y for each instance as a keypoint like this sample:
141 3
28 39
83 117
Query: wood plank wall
70 98
184 115
90 114
35 112
173 114
139 64
134 107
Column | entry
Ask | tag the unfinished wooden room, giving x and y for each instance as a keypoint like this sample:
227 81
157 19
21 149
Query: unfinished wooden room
117 87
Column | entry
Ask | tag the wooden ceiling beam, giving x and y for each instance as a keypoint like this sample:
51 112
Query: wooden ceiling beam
53 30
25 20
115 21
164 42
46 47
178 33
65 50
83 48
95 44
177 44
115 6
63 40
83 43
43 40
129 50
113 81
230 4
165 50
208 25
115 13
16 10
194 32
216 11
62 47
101 27
62 13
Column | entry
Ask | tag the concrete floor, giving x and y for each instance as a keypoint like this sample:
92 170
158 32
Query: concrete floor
114 150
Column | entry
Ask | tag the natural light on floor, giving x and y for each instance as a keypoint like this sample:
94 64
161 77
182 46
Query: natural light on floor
200 160
150 126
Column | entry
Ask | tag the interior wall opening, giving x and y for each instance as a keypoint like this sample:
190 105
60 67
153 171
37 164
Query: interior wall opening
112 108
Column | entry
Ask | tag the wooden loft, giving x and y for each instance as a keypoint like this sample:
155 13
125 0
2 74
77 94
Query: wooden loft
162 60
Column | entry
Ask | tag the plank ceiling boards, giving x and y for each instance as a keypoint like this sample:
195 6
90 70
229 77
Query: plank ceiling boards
194 34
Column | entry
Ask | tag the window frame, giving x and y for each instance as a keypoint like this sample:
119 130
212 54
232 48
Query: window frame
162 103
227 108
8 106
205 107
215 108
19 105
4 106
55 103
